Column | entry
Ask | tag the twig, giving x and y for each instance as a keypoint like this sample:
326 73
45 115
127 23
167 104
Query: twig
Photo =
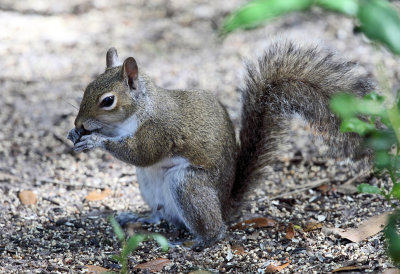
51 201
53 181
363 174
300 189
8 177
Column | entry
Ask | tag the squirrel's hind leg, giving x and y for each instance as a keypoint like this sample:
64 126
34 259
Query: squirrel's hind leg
199 205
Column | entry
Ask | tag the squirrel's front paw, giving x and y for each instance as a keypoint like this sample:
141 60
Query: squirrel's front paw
87 142
74 135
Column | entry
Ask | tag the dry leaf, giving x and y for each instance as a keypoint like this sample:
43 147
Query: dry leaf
200 271
94 269
324 188
188 243
256 223
276 268
290 232
154 265
391 271
238 250
366 229
346 268
97 195
347 189
254 236
312 226
27 197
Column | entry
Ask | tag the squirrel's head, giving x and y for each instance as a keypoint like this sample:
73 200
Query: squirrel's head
111 99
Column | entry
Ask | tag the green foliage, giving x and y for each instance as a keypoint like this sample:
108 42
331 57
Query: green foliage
366 188
383 141
378 19
130 245
348 7
393 237
380 22
258 11
359 115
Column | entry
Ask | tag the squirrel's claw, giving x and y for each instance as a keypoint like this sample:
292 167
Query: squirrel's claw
74 135
88 142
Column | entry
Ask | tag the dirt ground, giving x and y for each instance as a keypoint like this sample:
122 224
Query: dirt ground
49 52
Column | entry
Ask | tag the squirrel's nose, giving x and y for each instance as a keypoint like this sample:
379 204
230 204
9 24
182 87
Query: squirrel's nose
78 124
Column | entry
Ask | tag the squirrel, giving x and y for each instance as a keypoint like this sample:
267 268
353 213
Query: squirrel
191 169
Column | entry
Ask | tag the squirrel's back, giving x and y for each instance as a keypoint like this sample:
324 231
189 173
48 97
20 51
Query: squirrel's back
292 79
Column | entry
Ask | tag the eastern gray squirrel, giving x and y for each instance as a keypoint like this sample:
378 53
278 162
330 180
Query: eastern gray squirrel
191 170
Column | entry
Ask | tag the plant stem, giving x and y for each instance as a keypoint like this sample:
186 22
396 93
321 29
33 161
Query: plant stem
394 118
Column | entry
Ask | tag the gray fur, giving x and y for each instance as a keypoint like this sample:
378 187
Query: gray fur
112 59
293 80
190 169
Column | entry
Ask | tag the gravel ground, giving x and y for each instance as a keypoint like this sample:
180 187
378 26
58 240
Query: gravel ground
50 50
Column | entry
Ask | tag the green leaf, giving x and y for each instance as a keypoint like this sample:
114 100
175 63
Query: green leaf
132 243
394 118
380 21
347 105
370 107
117 258
382 159
117 229
366 188
354 124
348 7
396 165
161 240
343 105
398 98
373 96
258 11
392 236
396 191
381 140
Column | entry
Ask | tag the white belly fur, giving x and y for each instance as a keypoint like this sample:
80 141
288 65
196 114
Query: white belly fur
157 184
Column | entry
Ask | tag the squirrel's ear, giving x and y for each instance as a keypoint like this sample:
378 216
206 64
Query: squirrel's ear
112 59
130 72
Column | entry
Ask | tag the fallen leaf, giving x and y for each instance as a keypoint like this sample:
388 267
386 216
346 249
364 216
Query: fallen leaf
95 269
276 268
290 232
347 189
312 226
391 271
324 188
200 271
346 268
154 265
97 195
350 187
256 223
366 229
254 236
27 197
238 250
188 243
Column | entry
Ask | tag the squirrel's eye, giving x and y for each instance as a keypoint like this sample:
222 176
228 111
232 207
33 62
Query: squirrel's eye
107 102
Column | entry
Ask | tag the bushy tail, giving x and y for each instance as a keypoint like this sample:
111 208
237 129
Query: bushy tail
291 79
